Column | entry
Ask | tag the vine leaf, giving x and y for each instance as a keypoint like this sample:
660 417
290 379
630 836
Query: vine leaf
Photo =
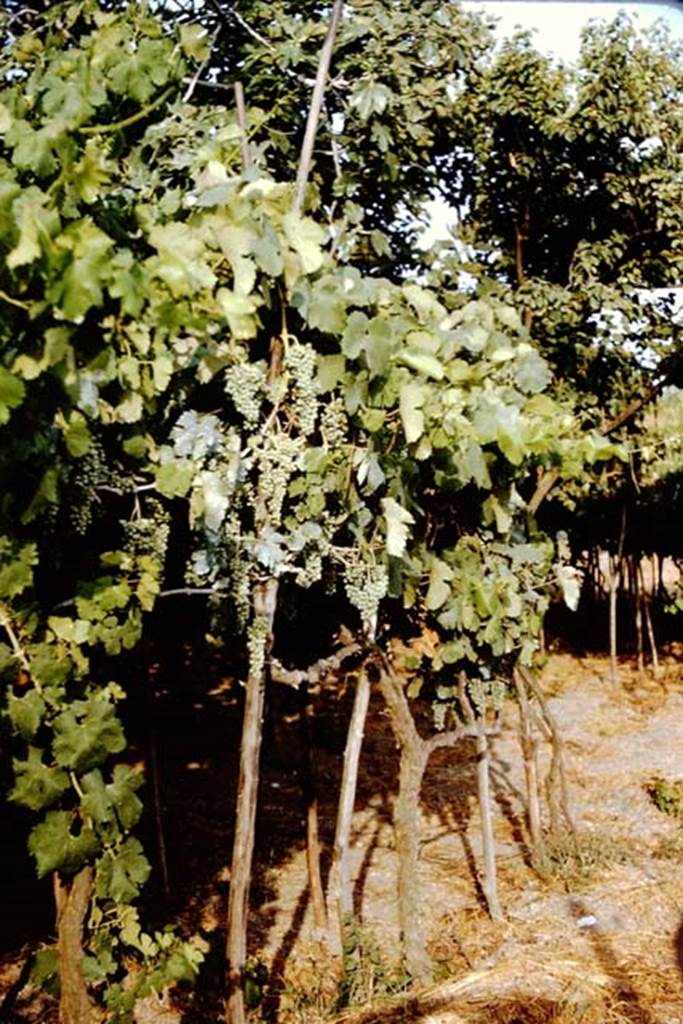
398 520
174 479
411 401
12 392
306 238
16 574
569 580
56 848
107 802
121 875
37 785
439 590
26 713
86 735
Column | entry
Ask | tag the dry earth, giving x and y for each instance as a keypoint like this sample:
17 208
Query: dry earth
592 940
599 932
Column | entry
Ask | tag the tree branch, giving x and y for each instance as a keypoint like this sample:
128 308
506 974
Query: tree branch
191 591
17 649
453 736
548 480
315 672
222 7
117 126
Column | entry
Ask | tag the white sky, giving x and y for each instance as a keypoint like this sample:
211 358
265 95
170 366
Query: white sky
556 25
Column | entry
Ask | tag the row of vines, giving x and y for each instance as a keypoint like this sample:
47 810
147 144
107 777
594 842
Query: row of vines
227 375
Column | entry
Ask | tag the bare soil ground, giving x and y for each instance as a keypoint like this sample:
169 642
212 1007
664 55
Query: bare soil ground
594 937
596 933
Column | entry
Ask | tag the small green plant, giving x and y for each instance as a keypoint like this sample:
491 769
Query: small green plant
368 975
666 796
575 858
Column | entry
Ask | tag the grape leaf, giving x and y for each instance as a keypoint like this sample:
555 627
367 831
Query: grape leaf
411 400
438 591
56 848
37 785
26 713
398 520
174 478
85 736
121 874
306 237
17 575
12 391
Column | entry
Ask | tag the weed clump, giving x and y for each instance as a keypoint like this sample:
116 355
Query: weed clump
666 796
575 858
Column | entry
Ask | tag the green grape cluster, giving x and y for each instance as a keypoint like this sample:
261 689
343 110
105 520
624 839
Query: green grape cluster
300 362
89 472
257 638
278 461
245 383
148 534
366 586
311 571
334 424
240 591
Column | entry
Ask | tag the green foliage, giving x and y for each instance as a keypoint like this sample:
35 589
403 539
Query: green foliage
666 796
368 974
55 846
574 859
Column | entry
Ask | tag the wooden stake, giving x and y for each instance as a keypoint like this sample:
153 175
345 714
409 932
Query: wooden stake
490 878
265 600
529 746
339 896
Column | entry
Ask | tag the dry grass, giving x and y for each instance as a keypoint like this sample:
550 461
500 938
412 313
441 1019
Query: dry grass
524 991
574 859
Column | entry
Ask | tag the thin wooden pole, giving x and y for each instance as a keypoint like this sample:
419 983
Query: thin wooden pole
490 875
265 600
339 897
615 574
646 598
241 111
529 746
306 156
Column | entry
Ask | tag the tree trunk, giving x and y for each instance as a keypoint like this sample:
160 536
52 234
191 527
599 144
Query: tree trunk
72 899
529 746
414 757
265 600
613 592
310 792
339 896
406 826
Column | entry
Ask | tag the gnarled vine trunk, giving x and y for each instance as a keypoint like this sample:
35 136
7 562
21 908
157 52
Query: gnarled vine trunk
72 899
415 753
